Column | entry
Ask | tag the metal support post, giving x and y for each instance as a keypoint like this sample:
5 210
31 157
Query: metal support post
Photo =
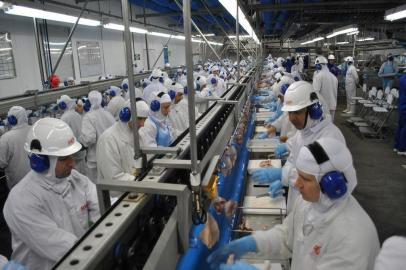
39 54
69 38
130 73
146 37
237 35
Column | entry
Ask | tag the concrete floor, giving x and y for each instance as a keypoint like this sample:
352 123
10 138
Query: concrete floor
381 186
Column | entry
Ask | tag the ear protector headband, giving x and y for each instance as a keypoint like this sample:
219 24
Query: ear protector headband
334 183
62 105
12 120
39 163
155 104
315 110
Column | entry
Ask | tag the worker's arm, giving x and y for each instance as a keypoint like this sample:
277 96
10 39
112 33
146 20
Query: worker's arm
150 132
317 83
4 152
289 173
88 135
29 222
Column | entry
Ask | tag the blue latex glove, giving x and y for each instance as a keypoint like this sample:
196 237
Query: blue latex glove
276 189
266 175
263 135
13 265
237 247
258 99
238 265
281 149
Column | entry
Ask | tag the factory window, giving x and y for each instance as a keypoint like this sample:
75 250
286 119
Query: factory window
7 66
89 55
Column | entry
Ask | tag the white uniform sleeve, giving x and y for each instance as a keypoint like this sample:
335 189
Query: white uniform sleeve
317 82
149 131
108 160
40 233
289 173
91 195
278 123
89 134
354 74
381 69
4 158
275 242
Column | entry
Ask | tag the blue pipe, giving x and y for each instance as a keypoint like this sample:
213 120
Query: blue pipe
230 187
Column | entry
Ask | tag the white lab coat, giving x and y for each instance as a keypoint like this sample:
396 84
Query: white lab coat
149 132
284 126
314 130
149 93
13 157
392 255
46 217
351 81
346 238
115 154
326 84
94 123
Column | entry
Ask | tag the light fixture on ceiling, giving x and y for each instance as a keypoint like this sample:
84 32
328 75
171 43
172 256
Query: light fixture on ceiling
395 13
353 33
343 30
241 36
366 39
120 27
342 42
48 15
231 7
1 4
312 41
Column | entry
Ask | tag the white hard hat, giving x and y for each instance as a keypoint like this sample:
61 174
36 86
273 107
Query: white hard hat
201 80
156 73
297 96
349 59
167 65
321 60
331 57
51 137
278 76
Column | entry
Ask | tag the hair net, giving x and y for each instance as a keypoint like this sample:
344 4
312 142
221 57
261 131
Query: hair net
165 98
70 103
115 105
19 113
202 80
95 99
117 90
142 109
178 88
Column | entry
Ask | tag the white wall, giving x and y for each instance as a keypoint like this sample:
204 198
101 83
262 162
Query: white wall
111 43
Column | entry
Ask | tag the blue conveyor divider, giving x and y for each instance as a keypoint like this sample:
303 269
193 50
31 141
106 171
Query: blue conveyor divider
230 187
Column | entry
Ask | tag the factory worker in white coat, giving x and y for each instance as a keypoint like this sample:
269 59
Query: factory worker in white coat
312 123
13 158
74 121
94 123
156 86
351 81
201 92
53 205
178 116
115 148
325 83
327 228
157 130
124 86
392 255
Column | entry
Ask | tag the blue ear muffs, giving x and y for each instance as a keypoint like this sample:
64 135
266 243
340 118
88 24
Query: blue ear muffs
87 105
155 105
334 183
316 109
213 80
112 93
318 66
65 83
172 94
125 114
62 105
12 120
144 84
39 163
197 87
185 90
284 87
161 79
296 78
125 86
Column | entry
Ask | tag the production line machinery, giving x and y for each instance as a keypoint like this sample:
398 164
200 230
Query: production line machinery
154 223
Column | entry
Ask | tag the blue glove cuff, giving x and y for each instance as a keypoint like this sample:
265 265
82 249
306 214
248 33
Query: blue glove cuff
248 243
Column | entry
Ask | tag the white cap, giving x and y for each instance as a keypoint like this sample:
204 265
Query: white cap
18 112
95 98
215 68
156 73
321 60
331 57
178 88
167 83
349 59
167 65
165 98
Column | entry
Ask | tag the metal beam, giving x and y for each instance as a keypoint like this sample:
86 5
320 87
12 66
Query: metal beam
313 5
178 13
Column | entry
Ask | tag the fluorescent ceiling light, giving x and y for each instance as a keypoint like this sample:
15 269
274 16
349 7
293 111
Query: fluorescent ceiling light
395 13
1 4
342 42
48 15
209 35
231 7
344 30
366 39
311 41
353 33
241 36
327 44
120 27
159 34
